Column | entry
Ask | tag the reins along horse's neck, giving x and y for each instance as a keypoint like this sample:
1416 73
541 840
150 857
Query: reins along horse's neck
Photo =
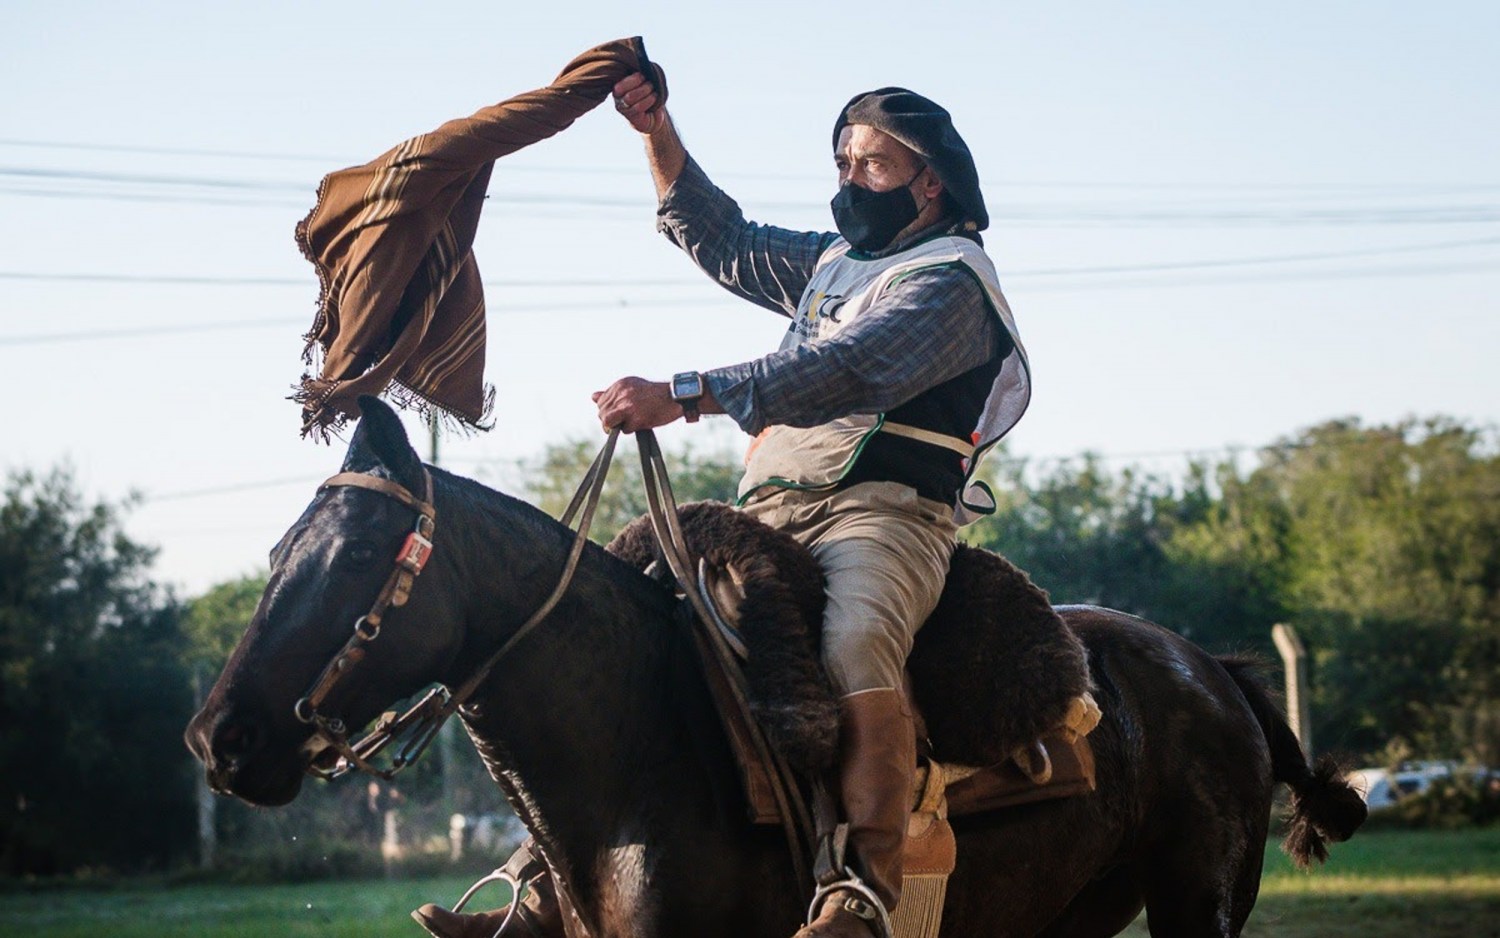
601 733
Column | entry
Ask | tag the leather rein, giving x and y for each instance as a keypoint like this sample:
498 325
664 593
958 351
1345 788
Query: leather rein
419 724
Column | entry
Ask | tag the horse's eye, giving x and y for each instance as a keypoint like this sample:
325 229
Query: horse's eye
358 555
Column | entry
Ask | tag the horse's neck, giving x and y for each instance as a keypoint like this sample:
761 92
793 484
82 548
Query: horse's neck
569 720
584 690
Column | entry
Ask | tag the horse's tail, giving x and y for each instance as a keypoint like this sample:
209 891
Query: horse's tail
1324 805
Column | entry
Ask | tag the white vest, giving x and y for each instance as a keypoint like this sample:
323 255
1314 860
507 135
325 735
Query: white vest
842 287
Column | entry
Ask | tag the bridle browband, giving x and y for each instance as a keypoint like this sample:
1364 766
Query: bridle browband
420 722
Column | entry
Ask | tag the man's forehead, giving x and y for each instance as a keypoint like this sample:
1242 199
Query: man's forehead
862 139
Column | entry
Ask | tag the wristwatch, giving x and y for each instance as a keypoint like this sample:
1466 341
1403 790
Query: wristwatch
687 390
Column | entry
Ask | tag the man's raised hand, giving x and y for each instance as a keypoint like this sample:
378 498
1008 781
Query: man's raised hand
637 102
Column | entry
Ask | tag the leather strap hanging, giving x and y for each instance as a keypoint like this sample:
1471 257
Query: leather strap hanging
795 819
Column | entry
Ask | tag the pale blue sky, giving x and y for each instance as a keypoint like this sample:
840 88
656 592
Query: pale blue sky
137 141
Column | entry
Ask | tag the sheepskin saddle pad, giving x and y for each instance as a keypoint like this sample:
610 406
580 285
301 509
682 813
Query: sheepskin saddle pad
993 669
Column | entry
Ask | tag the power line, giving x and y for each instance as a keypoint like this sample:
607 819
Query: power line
1368 273
1336 217
1014 215
163 151
156 198
650 304
342 160
1437 214
189 280
565 283
1392 188
152 179
159 279
1263 259
143 332
301 206
248 188
307 189
50 338
233 488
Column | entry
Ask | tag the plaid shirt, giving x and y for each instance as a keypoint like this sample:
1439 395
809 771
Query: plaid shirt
932 326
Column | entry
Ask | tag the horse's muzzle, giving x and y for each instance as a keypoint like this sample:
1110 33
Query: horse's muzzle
233 751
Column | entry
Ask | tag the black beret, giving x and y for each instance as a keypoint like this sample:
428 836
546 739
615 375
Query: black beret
928 130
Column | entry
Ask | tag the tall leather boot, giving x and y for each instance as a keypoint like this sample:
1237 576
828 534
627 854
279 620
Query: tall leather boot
877 757
538 917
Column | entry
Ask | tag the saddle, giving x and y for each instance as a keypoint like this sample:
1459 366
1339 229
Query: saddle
999 684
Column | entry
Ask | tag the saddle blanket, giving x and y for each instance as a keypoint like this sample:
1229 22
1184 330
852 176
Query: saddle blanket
999 682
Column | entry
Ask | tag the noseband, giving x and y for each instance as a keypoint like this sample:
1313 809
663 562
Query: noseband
419 723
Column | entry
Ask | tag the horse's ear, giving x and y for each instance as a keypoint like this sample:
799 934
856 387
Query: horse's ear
380 443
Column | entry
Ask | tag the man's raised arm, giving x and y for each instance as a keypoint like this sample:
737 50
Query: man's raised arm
637 101
767 265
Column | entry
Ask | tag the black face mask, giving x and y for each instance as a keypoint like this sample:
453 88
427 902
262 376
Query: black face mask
869 220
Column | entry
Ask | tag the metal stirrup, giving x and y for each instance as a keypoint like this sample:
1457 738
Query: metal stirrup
500 875
876 915
517 873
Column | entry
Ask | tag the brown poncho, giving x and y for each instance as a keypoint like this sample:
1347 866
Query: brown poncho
401 303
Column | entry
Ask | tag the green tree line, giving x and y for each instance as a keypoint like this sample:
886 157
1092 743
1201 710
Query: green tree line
1379 544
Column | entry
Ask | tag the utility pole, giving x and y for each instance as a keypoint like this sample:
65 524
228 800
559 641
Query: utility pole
447 741
1298 701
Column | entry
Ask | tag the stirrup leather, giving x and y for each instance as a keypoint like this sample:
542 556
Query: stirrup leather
863 903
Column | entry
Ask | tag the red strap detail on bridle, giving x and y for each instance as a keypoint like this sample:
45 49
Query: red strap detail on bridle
414 553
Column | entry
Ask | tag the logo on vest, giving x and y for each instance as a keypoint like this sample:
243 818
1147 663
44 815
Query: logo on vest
823 307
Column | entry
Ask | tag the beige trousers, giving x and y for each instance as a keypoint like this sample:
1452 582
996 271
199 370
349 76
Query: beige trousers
885 554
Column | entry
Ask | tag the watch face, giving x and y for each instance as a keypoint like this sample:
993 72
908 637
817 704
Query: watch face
687 385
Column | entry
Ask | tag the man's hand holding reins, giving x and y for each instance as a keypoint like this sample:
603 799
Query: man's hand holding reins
632 404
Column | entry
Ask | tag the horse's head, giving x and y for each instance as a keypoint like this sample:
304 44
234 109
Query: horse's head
327 572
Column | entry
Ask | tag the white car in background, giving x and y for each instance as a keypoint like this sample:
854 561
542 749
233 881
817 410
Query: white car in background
1383 788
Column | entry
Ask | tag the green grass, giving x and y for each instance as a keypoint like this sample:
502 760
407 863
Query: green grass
1388 884
362 909
1383 884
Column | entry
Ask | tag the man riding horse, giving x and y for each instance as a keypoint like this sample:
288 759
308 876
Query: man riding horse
901 367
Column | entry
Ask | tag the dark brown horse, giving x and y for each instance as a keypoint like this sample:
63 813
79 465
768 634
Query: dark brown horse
599 729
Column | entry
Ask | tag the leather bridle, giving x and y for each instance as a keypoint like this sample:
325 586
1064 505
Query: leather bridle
420 723
330 732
